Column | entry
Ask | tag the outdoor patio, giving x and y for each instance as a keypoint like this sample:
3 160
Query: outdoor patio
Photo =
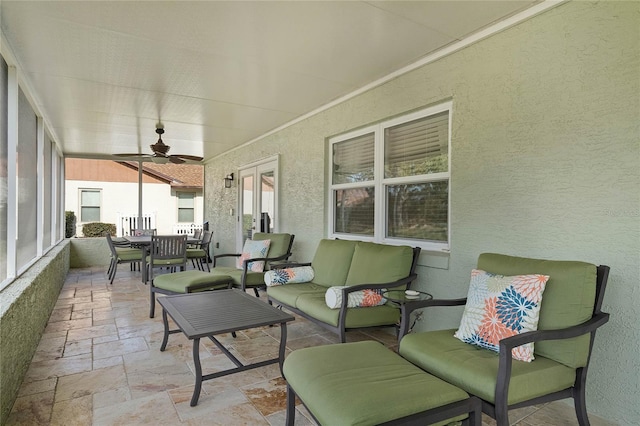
99 363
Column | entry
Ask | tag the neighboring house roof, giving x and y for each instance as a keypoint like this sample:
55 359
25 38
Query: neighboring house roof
183 176
179 176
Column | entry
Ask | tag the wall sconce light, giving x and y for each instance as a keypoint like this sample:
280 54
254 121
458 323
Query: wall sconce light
227 180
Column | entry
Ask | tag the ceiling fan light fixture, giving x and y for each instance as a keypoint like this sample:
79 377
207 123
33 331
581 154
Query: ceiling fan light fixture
160 160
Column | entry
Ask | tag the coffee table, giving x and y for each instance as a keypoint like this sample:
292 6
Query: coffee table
207 314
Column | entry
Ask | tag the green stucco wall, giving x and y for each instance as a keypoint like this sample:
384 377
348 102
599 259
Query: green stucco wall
86 252
25 307
545 163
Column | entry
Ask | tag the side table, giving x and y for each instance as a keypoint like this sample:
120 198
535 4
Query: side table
405 301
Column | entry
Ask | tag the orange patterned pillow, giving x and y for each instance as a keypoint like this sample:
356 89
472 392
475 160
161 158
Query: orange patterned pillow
499 307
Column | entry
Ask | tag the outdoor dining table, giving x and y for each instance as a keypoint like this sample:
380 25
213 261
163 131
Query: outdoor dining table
144 242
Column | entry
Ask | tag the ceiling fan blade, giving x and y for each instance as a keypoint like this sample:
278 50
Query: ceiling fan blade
131 155
175 159
188 157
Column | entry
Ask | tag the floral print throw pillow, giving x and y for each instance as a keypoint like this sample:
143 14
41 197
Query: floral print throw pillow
253 249
499 307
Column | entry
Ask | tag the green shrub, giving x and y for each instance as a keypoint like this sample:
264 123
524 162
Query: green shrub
69 224
98 229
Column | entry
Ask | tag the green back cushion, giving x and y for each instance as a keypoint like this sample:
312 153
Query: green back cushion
331 262
379 263
279 243
568 300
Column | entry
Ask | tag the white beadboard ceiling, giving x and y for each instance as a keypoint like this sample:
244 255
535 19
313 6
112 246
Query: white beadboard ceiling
217 73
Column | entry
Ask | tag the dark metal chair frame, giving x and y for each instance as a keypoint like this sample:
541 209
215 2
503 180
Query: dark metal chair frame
115 259
245 264
499 410
341 328
204 245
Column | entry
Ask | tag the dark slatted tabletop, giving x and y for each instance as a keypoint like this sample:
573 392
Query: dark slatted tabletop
221 311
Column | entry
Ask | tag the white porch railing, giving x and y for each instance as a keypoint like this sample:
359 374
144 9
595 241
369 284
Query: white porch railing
127 222
185 228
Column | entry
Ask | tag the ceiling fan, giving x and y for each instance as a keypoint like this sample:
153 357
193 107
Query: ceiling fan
160 152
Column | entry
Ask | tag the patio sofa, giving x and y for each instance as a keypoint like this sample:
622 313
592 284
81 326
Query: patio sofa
347 271
556 304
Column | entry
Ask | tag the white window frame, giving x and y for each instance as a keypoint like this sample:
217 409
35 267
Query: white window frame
380 183
80 191
193 207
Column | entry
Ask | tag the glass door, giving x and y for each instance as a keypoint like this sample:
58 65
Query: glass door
257 200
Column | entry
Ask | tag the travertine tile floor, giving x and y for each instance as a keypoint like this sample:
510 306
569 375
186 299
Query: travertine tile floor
99 363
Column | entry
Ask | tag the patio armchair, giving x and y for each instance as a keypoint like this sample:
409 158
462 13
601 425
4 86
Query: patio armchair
569 315
200 254
245 275
119 255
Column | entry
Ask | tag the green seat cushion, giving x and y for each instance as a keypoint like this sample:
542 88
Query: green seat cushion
315 306
128 254
254 279
279 245
195 253
568 300
363 383
289 293
331 262
379 263
166 262
476 370
179 282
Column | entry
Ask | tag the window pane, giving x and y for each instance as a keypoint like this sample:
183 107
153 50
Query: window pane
27 182
90 214
185 199
354 211
185 215
418 211
47 194
417 147
4 152
353 160
90 198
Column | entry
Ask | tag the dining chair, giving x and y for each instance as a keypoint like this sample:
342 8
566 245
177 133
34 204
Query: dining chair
121 255
200 254
167 251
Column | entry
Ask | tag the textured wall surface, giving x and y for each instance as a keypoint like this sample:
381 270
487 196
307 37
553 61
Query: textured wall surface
87 252
25 307
545 163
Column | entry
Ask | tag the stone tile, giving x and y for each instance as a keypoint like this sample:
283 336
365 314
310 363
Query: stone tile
306 342
90 382
559 413
40 386
107 362
78 347
81 313
119 347
111 397
215 399
156 409
32 409
143 383
49 348
97 304
92 332
279 418
68 325
61 314
40 370
105 339
268 397
258 346
239 414
110 313
77 411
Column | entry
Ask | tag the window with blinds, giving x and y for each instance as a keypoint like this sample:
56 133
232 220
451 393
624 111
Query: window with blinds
390 181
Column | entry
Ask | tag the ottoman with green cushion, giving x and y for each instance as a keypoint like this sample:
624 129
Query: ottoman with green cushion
365 383
191 281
